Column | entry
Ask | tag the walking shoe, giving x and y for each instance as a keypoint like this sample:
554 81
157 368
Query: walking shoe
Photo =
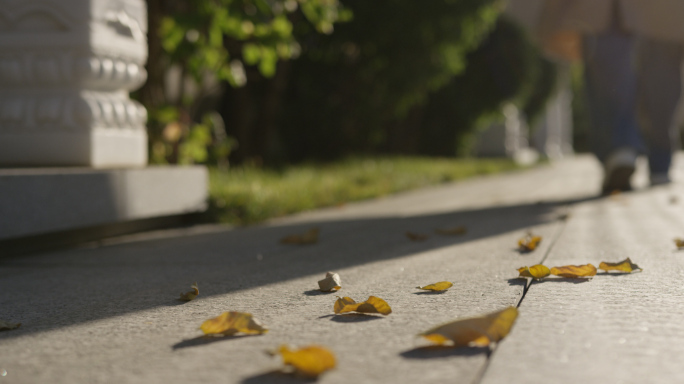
618 170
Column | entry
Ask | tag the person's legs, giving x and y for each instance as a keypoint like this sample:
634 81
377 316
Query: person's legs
611 85
659 90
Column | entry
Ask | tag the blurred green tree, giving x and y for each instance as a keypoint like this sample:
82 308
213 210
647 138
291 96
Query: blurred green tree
397 76
210 41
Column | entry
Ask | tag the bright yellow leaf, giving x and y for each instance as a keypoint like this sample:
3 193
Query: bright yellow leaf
536 271
190 295
455 231
529 243
6 326
332 282
231 323
625 265
574 271
372 305
437 287
416 236
476 331
679 242
309 361
308 237
342 302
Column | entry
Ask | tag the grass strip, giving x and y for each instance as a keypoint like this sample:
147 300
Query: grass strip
247 195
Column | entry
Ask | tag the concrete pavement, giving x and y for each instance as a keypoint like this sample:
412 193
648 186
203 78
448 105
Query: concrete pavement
106 313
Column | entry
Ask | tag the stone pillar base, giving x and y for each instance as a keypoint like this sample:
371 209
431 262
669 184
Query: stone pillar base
39 201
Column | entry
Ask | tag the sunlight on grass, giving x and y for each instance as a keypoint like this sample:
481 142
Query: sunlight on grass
246 195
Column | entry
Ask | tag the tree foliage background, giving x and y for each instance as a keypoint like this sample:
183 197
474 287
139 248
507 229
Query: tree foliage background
288 80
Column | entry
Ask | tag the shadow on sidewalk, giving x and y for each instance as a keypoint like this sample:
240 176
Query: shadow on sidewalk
277 377
205 340
437 351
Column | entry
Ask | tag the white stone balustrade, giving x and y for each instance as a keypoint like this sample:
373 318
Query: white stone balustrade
66 68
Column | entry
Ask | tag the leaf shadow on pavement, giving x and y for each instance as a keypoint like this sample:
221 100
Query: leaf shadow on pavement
562 280
277 377
204 340
616 274
353 318
516 281
439 351
430 292
317 292
522 251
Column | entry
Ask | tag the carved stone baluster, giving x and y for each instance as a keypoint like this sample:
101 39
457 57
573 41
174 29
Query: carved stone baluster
66 68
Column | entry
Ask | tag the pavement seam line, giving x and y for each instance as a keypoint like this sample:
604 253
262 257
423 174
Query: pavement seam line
563 223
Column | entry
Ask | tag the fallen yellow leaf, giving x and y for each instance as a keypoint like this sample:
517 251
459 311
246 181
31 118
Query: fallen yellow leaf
476 331
230 323
574 271
372 305
625 265
416 236
332 282
437 287
679 243
536 271
455 231
308 237
309 361
529 243
6 326
190 295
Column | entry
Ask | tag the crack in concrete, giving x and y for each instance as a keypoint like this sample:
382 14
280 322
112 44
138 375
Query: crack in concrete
562 224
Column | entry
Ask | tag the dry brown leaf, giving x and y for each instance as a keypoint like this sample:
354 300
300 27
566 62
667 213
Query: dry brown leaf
574 271
308 237
536 271
476 331
190 295
416 236
529 243
231 323
309 361
625 265
679 242
332 282
437 287
6 326
455 231
372 305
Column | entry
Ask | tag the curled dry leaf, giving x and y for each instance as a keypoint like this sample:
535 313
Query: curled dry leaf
190 295
536 271
529 243
679 242
372 305
309 361
476 331
332 282
455 231
6 326
308 237
231 323
437 287
574 271
625 265
416 236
